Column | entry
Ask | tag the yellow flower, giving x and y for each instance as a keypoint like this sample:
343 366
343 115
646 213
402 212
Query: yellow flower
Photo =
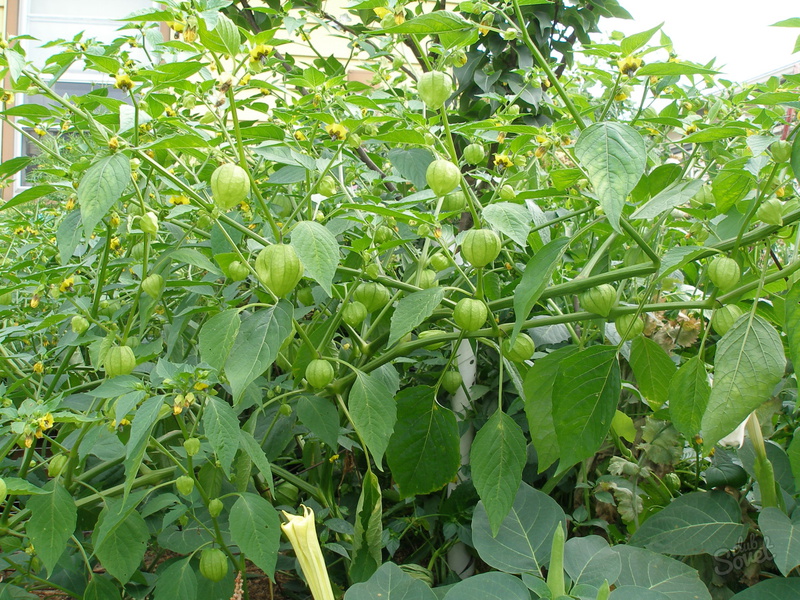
70 203
336 131
124 422
67 284
19 230
115 243
259 52
780 192
502 161
300 136
38 368
113 143
123 82
629 65
169 111
6 97
200 386
621 96
691 129
302 534
35 301
45 422
381 11
540 151
176 200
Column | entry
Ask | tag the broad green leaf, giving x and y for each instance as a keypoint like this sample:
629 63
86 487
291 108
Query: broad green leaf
730 186
413 310
424 430
675 195
489 586
321 417
792 322
535 278
614 157
249 445
367 544
653 369
794 458
669 69
256 347
513 220
793 22
591 561
538 388
412 164
14 165
794 160
498 456
68 235
217 337
374 412
712 134
694 523
32 193
52 522
439 21
781 463
103 588
781 537
632 43
777 588
21 487
622 425
256 529
141 428
659 573
749 363
101 186
177 581
585 395
635 592
676 258
390 583
123 547
688 396
221 426
523 543
318 251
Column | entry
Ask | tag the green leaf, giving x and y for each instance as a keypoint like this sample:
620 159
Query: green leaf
374 413
103 588
712 134
367 539
781 537
177 581
217 337
14 165
141 429
694 523
794 458
498 456
653 369
675 195
510 219
792 322
52 522
585 395
535 278
776 588
123 546
440 21
632 43
688 396
68 235
793 22
318 251
221 426
659 573
20 487
424 430
390 583
677 257
669 69
32 193
413 310
249 445
522 545
101 186
591 561
256 529
749 363
614 157
260 337
321 417
730 186
489 586
412 164
794 160
538 387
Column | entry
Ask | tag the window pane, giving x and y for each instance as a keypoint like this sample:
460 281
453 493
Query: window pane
106 9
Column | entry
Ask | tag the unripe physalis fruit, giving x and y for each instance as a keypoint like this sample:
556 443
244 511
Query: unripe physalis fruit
153 285
725 317
507 193
451 381
148 223
474 154
439 261
285 410
373 270
628 326
185 484
430 333
522 349
354 313
56 465
327 186
454 202
599 300
119 360
279 268
229 185
238 271
480 247
781 151
3 490
79 324
215 507
724 273
470 314
771 212
373 296
442 177
319 373
427 279
434 88
383 234
213 564
192 446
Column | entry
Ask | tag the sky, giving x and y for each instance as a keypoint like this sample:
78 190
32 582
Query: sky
736 32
